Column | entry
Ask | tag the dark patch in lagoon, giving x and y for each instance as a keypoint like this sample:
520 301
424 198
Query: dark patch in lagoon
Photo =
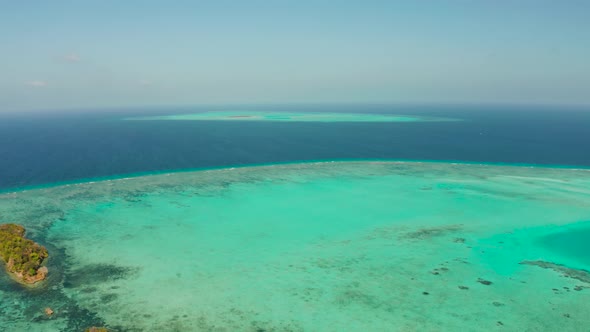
353 296
430 232
232 320
97 273
578 274
108 298
484 282
88 290
80 318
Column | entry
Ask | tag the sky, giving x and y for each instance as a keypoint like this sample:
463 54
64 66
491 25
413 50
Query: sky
93 54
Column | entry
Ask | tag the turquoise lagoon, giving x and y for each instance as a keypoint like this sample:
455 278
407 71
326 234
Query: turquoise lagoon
290 117
327 246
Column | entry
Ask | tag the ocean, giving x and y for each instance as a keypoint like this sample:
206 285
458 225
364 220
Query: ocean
443 219
47 147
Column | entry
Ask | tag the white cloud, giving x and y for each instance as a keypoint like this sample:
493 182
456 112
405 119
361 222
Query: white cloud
72 57
36 83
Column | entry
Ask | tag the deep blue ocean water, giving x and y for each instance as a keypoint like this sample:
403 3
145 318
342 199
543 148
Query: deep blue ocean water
38 148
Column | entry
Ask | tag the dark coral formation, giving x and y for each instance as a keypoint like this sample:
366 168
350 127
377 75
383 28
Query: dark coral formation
22 256
439 270
484 282
96 273
430 232
578 274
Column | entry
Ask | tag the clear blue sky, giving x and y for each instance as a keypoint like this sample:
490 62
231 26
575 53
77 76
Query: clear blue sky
88 54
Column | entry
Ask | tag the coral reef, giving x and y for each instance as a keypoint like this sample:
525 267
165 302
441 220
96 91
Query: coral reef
430 232
581 275
484 282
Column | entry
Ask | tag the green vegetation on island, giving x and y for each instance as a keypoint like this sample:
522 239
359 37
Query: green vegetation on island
22 256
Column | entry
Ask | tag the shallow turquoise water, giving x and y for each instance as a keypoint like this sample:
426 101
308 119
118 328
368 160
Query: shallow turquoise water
343 246
291 117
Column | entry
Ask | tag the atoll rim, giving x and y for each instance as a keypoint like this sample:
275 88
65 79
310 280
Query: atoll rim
290 117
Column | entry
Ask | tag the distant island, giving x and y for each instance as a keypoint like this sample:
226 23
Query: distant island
23 257
291 117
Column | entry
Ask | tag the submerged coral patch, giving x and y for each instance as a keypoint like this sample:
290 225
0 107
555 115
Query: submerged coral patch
430 232
93 274
578 274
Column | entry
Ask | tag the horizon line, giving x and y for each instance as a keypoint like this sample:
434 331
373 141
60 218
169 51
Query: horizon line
113 108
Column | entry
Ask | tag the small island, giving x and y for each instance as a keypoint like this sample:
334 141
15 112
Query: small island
23 257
